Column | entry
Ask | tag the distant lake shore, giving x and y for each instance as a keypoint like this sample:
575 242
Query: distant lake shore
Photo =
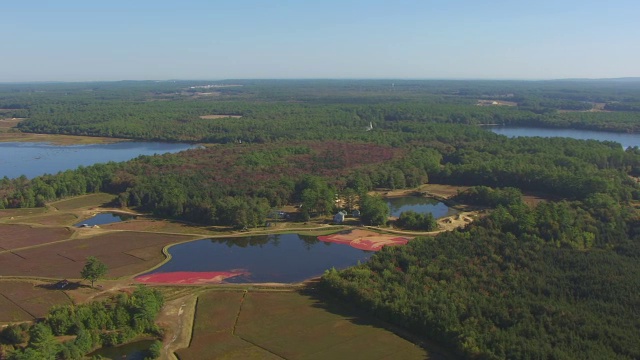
625 139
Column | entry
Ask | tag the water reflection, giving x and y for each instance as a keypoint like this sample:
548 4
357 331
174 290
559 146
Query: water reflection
282 258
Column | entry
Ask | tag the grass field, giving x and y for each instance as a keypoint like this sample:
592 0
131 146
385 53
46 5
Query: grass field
7 136
24 301
84 201
14 214
289 325
213 337
54 219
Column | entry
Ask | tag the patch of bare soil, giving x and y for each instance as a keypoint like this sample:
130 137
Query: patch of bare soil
496 103
219 116
458 220
436 191
10 122
176 318
441 191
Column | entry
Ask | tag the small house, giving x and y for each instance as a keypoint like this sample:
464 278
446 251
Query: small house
355 213
339 217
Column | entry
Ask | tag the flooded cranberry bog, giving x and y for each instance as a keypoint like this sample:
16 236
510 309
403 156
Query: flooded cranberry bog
278 258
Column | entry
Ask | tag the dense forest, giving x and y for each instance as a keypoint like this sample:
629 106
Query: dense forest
557 280
91 326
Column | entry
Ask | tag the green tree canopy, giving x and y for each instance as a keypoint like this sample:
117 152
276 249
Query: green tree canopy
373 210
93 270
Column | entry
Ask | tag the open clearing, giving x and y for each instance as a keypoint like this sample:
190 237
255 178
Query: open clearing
289 325
11 136
14 214
496 103
436 191
9 123
91 200
219 116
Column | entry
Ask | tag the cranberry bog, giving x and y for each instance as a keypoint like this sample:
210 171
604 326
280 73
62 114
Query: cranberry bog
24 301
364 239
20 236
124 253
290 325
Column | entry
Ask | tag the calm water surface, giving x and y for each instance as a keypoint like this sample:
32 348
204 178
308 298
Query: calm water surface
418 204
282 258
105 218
33 159
623 138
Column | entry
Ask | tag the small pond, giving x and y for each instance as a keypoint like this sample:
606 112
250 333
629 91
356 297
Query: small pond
281 258
132 351
420 205
104 218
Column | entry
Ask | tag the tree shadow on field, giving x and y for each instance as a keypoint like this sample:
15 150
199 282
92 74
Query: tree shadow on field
360 317
62 285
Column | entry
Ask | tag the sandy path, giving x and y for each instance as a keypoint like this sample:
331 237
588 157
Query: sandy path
177 318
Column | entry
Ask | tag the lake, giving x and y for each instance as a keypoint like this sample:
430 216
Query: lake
623 138
281 258
34 159
105 218
418 204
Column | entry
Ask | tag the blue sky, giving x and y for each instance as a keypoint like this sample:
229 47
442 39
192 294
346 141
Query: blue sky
68 40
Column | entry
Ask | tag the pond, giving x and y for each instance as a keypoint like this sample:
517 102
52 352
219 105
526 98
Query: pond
104 218
280 258
132 351
420 205
34 159
623 138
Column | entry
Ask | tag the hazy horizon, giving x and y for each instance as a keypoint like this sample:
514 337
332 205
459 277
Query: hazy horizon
75 41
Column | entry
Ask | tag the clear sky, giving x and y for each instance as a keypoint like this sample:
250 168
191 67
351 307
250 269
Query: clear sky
68 40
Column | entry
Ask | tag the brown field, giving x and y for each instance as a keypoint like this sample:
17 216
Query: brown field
51 219
14 214
24 300
441 191
159 226
124 253
10 312
436 191
20 236
219 116
84 201
289 325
